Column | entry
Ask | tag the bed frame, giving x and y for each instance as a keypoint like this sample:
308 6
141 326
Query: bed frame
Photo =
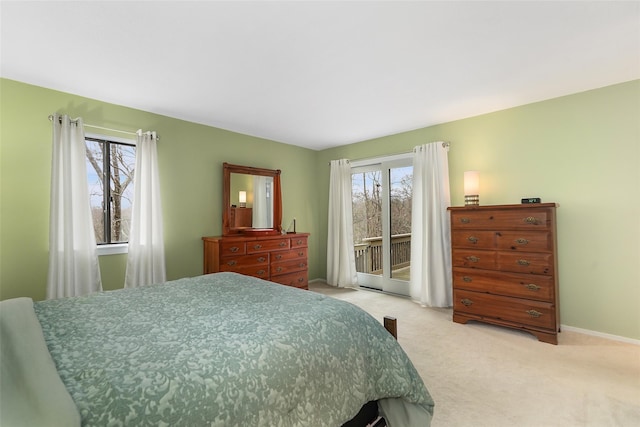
391 325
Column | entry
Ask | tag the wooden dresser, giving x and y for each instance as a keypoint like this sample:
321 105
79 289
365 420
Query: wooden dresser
504 267
240 217
279 258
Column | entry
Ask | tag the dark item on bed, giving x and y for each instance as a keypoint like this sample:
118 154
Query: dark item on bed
220 349
368 416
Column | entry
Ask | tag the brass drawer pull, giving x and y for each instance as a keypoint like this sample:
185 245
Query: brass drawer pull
532 287
262 259
299 242
467 279
257 246
260 272
278 256
473 258
283 243
465 220
279 269
300 279
232 262
534 313
532 220
302 264
300 253
234 249
466 301
522 241
522 262
472 239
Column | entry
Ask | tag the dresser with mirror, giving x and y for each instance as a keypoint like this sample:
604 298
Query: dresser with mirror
252 240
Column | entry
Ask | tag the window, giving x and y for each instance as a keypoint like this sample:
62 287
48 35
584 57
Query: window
110 166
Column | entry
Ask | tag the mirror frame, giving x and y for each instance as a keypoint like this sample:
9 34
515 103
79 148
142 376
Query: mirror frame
227 170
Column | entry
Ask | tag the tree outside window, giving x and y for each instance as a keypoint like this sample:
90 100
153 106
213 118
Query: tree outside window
110 167
367 203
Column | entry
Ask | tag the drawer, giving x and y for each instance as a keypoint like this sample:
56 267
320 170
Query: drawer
261 271
531 286
267 245
235 262
518 310
531 241
299 242
474 259
298 279
526 262
290 266
473 239
525 219
287 255
232 248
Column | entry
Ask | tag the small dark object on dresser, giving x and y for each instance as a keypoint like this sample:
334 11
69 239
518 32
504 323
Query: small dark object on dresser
531 200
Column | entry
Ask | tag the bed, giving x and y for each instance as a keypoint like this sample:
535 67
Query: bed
218 350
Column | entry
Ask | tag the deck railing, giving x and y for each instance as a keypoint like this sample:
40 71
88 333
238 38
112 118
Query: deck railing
369 253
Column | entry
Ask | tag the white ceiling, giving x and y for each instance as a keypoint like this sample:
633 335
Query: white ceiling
320 74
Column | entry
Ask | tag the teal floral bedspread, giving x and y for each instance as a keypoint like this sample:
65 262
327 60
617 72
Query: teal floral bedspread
223 350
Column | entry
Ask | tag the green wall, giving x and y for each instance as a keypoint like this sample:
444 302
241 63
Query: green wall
581 151
190 159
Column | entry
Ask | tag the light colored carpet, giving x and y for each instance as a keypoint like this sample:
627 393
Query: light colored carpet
484 375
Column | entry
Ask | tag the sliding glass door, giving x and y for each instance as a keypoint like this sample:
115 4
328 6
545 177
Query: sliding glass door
382 192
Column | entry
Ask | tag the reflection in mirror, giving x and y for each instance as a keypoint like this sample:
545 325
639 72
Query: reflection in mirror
258 200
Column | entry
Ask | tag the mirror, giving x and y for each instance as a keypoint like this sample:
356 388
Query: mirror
252 203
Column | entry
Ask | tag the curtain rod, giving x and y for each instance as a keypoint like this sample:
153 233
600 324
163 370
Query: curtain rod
445 144
103 128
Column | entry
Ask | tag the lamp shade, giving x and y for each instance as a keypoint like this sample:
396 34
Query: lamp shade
471 188
242 198
471 183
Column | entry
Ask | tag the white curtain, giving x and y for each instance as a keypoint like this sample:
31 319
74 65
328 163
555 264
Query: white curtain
341 261
262 202
430 227
145 261
73 259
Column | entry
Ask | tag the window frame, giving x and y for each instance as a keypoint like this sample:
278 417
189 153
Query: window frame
384 282
116 247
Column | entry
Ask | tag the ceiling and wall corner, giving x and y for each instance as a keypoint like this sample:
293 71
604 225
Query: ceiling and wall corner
320 74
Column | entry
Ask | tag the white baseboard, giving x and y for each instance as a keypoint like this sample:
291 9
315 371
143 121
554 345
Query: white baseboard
562 327
600 334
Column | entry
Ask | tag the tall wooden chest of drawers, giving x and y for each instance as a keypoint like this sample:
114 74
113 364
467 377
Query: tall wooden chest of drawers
505 267
278 258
